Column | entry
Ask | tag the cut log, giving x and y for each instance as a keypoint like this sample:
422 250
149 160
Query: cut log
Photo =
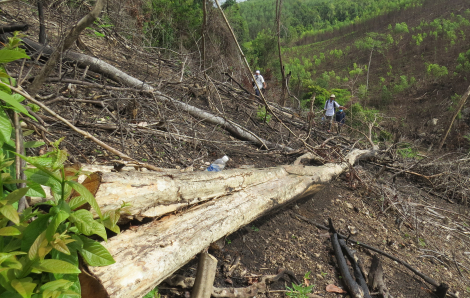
148 255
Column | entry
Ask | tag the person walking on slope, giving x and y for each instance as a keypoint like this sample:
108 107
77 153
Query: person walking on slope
340 118
259 83
330 110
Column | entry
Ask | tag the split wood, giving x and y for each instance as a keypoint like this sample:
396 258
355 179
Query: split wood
408 266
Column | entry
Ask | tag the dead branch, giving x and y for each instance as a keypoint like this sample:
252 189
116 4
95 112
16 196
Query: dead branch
408 266
376 280
462 101
64 45
13 28
358 274
82 132
251 291
352 286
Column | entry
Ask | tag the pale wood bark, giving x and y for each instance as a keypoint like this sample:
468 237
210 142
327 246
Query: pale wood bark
147 256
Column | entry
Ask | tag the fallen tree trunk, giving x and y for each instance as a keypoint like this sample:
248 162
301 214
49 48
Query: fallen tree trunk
94 64
231 127
148 255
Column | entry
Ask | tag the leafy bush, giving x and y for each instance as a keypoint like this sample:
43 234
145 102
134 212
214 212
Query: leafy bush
435 70
39 251
401 28
262 115
463 62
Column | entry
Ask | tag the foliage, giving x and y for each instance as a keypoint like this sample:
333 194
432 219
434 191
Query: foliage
310 17
299 291
263 49
401 28
463 62
153 294
435 70
374 41
301 77
39 250
168 21
262 115
322 95
407 151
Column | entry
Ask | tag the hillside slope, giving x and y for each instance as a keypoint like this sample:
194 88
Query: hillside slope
386 209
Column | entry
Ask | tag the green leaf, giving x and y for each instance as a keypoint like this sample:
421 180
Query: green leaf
34 229
77 202
10 295
72 259
34 144
44 177
9 99
57 219
60 284
16 195
35 190
83 220
5 127
86 194
24 286
109 225
11 55
9 231
10 212
57 266
5 256
98 229
59 159
94 253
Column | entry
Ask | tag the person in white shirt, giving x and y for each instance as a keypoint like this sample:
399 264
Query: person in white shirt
259 83
330 106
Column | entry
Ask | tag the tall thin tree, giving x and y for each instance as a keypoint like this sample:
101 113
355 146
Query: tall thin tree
283 73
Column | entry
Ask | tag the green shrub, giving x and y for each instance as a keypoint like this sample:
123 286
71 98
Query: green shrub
262 115
39 251
401 28
435 70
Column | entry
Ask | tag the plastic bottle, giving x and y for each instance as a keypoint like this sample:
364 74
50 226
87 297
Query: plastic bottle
218 165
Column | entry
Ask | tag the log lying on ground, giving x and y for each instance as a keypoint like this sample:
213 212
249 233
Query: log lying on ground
148 255
94 64
230 126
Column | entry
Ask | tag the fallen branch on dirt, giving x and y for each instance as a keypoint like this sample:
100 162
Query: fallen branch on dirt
376 280
82 132
231 127
169 243
353 288
13 28
358 274
95 65
64 45
257 288
408 266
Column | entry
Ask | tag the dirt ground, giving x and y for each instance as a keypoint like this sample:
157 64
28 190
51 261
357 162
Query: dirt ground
280 240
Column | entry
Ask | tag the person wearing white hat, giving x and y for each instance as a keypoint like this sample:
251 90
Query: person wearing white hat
330 110
259 83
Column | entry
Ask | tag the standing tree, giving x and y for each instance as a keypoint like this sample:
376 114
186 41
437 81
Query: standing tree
283 73
373 42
